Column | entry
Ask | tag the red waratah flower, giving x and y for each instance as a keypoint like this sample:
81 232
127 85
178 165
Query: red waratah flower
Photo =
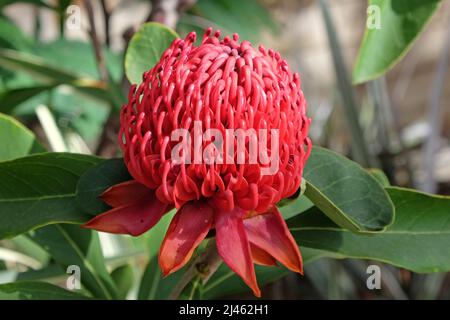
221 84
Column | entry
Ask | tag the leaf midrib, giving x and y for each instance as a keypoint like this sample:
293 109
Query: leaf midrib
40 198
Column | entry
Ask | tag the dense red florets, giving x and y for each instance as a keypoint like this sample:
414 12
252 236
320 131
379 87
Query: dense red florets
225 85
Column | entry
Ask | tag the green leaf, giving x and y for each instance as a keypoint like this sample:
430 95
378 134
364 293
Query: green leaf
154 237
417 240
123 277
12 37
78 58
51 75
380 176
153 285
17 141
296 204
104 175
72 109
71 245
346 193
401 22
25 245
62 60
34 290
146 48
299 205
250 18
39 190
80 112
150 280
225 282
51 271
11 98
96 180
34 65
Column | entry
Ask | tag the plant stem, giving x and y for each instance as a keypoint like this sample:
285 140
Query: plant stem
106 18
360 150
107 137
99 57
203 267
435 117
168 11
391 138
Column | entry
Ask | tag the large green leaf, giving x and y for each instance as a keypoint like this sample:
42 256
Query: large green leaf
401 22
123 277
39 190
67 244
12 37
34 290
296 204
225 282
16 140
418 240
145 49
153 285
71 245
346 193
96 180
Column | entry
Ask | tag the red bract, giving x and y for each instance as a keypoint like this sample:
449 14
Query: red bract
221 84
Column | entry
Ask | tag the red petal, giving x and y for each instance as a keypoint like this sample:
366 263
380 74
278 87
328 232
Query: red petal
188 228
125 193
233 246
133 219
269 232
261 257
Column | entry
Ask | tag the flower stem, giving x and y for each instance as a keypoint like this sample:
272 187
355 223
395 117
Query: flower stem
203 267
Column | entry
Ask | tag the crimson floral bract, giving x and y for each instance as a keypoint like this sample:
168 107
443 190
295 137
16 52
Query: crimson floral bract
225 85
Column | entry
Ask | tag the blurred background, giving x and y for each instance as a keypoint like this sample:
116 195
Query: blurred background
404 116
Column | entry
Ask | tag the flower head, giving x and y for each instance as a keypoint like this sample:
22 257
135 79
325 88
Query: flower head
220 132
